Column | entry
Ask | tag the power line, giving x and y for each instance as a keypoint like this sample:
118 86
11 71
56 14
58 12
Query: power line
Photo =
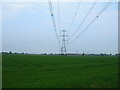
53 19
59 22
75 14
84 18
92 21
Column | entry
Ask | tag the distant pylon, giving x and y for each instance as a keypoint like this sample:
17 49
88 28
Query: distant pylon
64 41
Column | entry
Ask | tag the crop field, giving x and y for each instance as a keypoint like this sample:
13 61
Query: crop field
37 71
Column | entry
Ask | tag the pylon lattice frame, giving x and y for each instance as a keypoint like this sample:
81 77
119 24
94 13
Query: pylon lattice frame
64 41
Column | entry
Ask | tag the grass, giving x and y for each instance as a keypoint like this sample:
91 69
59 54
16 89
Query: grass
36 71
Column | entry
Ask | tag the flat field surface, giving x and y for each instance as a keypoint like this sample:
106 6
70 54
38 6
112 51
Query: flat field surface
36 71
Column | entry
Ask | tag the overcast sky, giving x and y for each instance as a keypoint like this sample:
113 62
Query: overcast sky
28 27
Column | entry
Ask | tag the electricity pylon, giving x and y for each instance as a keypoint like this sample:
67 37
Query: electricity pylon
64 41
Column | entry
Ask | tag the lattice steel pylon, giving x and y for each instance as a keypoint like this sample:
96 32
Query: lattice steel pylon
64 41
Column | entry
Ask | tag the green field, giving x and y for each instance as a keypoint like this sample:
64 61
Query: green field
36 71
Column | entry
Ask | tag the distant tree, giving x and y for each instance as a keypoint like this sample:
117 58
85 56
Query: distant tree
15 53
65 54
51 53
101 54
117 54
10 52
83 54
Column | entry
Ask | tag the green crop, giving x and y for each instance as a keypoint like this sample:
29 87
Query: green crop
37 71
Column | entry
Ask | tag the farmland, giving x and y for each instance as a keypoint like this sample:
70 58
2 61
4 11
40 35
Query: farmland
37 71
